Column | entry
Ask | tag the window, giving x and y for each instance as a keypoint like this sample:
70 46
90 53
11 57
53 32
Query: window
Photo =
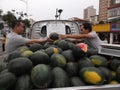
118 12
44 31
67 29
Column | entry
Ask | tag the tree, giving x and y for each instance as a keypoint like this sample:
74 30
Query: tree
9 18
26 23
21 15
101 22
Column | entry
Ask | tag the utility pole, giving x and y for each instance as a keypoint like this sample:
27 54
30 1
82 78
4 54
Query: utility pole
56 15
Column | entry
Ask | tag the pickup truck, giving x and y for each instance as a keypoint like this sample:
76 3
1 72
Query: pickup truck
42 29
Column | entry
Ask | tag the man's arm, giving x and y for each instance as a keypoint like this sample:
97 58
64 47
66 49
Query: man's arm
31 41
75 40
76 36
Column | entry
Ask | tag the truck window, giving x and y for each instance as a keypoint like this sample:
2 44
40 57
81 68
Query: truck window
67 29
44 31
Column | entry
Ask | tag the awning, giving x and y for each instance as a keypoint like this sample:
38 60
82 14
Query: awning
114 19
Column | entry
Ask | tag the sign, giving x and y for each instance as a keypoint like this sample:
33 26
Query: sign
115 27
101 27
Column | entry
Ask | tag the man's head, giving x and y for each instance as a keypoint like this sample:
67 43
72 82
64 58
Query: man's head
17 26
86 28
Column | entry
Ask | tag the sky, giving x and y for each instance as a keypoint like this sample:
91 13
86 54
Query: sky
46 9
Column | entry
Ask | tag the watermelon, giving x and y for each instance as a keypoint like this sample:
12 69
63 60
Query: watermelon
60 78
72 69
36 46
98 60
58 60
7 80
92 75
23 83
54 36
83 46
20 66
41 76
39 57
68 55
76 81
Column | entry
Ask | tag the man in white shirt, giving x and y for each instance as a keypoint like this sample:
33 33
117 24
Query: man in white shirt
86 33
15 40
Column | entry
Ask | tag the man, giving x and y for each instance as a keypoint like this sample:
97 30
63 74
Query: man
86 33
3 42
14 39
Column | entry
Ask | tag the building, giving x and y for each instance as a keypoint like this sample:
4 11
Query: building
114 12
114 19
117 1
94 19
103 9
78 20
88 12
109 11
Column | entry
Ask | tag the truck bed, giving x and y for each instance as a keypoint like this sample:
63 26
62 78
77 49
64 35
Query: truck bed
110 49
100 87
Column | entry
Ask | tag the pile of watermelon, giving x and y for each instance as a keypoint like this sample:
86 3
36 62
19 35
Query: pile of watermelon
57 64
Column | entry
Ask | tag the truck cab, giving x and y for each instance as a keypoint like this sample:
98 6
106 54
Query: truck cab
42 29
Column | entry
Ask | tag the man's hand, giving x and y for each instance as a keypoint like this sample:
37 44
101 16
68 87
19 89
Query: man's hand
61 36
50 40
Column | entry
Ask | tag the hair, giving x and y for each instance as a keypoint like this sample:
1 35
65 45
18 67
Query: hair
87 26
16 23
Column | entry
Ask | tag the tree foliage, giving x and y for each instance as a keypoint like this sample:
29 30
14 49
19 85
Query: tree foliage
26 22
9 18
101 22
